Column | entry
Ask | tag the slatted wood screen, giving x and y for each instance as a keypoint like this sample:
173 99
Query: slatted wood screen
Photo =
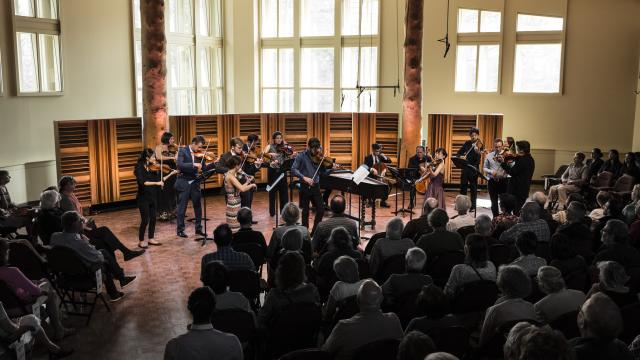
101 154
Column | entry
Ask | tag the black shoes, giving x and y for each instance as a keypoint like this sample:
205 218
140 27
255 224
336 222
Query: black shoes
182 234
201 233
132 254
126 281
117 296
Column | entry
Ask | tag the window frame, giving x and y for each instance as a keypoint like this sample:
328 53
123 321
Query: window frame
37 26
1 76
296 42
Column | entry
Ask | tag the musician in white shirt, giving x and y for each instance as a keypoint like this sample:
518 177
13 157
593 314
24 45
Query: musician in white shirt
497 178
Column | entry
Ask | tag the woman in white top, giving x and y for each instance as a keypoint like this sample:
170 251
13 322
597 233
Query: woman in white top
475 268
348 283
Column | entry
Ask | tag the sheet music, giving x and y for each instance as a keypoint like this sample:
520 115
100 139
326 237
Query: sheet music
361 173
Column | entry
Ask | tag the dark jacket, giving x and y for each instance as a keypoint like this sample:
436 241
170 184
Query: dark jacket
521 173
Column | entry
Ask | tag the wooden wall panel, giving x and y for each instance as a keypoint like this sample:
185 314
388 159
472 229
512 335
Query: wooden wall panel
72 156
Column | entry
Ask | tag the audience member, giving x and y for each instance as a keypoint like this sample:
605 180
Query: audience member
323 230
559 300
415 346
595 163
346 270
391 244
72 237
515 285
292 241
202 340
629 211
506 219
634 230
462 206
233 260
216 277
540 198
530 342
419 226
369 325
602 198
398 285
613 164
439 241
246 235
290 215
49 217
291 287
339 244
599 322
476 266
631 168
615 245
10 214
612 211
526 243
529 221
434 304
484 227
573 179
565 259
561 216
577 231
612 279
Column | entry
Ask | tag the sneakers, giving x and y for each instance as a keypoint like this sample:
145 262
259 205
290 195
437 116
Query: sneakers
126 281
133 254
117 296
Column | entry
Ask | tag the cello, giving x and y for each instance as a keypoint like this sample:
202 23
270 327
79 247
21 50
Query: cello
423 182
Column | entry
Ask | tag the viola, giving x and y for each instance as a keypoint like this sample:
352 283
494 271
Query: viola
166 169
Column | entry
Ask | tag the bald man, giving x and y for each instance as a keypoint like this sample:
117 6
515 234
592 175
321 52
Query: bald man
420 225
367 326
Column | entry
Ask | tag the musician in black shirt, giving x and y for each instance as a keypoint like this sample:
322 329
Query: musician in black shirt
374 162
415 162
469 177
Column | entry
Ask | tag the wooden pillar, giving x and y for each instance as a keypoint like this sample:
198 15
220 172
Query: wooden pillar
155 118
412 101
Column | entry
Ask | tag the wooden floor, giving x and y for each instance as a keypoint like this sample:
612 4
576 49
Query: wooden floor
154 307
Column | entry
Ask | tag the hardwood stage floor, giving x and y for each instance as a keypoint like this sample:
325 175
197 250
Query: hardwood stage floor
154 308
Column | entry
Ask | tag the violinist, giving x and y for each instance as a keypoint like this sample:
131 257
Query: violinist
278 151
435 172
521 172
189 165
166 153
307 167
250 163
497 177
417 161
471 150
233 190
376 161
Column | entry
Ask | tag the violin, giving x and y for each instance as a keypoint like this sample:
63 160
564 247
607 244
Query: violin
207 155
323 161
250 157
285 149
166 169
172 150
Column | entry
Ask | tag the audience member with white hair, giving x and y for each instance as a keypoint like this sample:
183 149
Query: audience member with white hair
391 244
484 227
367 326
531 342
290 215
529 221
464 218
420 225
559 300
348 284
398 285
49 217
612 280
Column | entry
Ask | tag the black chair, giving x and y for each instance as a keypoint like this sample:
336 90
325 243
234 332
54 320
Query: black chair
451 339
246 282
23 257
378 350
372 242
363 268
567 324
255 252
295 327
630 316
475 296
499 254
440 268
406 308
554 179
392 265
73 276
345 309
543 250
307 354
13 305
466 230
235 321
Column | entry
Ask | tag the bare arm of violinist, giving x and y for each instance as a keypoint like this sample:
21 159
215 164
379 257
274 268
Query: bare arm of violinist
241 187
438 170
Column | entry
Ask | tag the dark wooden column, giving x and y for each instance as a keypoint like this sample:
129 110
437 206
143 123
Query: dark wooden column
412 101
155 118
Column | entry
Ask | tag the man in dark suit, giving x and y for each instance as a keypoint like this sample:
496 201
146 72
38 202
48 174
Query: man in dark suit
521 173
469 176
186 187
372 160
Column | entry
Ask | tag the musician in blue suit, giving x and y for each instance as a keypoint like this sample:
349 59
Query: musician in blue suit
186 187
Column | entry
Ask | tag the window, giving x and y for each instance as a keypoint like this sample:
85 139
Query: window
306 66
478 50
538 54
195 83
37 45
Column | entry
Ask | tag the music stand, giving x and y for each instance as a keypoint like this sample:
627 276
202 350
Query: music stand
276 198
462 164
202 179
406 177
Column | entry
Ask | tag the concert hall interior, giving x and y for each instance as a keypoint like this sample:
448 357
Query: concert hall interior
320 179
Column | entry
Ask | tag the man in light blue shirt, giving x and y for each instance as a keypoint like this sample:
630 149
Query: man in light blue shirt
497 177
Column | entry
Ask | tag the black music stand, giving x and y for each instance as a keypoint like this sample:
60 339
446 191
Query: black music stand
276 198
202 179
406 177
462 164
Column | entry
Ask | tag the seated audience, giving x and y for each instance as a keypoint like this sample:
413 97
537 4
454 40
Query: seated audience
290 215
72 237
11 216
634 230
612 211
540 198
613 164
595 163
564 257
216 277
292 240
13 329
291 287
391 244
615 245
602 198
561 216
629 211
434 304
233 260
246 235
339 244
411 281
527 341
573 179
439 241
559 300
462 206
577 231
506 219
612 279
346 270
29 291
322 232
529 221
631 168
476 266
599 322
484 227
369 325
49 217
419 226
415 346
526 243
515 285
202 340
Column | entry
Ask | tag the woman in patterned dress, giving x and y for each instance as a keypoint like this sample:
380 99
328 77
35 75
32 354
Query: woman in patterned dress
232 189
